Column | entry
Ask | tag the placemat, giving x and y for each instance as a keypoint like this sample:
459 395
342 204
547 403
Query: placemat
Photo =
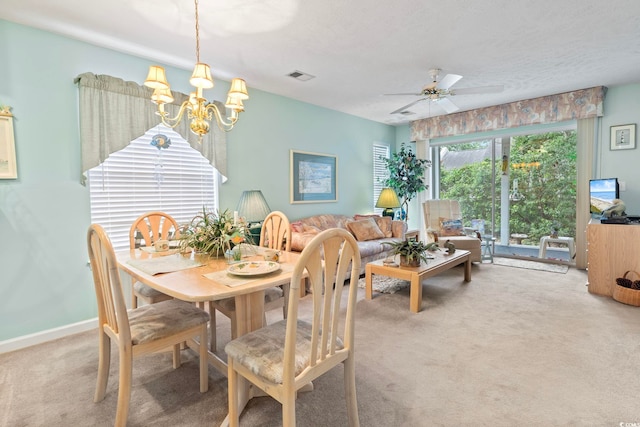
152 250
164 264
232 280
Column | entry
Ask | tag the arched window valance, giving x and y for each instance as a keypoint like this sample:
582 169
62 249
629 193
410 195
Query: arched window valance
114 112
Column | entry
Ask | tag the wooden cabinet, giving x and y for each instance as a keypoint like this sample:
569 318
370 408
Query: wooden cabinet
612 250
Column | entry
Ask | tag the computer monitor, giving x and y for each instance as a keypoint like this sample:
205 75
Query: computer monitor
602 192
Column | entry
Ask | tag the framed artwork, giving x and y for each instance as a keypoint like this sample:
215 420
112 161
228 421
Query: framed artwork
623 137
8 169
313 177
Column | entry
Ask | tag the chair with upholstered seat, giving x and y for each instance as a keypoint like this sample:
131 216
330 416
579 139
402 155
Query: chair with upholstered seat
283 357
275 234
138 331
149 228
443 219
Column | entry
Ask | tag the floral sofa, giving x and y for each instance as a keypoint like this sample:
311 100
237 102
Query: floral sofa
369 230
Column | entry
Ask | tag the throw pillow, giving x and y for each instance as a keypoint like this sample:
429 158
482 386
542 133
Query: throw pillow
300 240
311 229
297 226
365 229
451 227
384 222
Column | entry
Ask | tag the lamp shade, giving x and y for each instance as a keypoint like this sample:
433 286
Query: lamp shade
201 77
238 89
388 199
252 206
156 78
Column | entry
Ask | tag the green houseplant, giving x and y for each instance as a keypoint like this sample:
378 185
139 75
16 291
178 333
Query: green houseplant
406 175
411 252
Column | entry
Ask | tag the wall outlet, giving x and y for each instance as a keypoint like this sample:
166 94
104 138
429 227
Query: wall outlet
622 185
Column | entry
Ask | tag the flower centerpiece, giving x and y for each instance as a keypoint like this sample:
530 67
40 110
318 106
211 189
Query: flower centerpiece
213 233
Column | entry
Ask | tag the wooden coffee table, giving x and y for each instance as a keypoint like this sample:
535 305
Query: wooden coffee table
415 275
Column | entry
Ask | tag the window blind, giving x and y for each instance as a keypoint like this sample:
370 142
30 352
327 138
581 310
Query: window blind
142 178
380 172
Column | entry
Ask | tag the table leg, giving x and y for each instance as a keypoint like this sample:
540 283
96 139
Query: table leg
368 282
467 270
249 317
415 302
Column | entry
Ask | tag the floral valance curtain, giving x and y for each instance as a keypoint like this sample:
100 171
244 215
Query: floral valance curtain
114 112
579 104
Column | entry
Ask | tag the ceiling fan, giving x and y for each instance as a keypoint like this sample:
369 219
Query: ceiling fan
439 91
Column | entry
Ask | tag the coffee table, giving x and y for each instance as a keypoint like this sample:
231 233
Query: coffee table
441 262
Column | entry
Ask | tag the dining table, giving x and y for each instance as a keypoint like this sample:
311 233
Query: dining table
201 278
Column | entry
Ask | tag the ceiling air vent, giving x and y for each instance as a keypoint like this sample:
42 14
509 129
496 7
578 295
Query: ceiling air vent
407 113
299 75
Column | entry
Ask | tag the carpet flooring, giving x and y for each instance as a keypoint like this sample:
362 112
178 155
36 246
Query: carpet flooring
507 349
531 265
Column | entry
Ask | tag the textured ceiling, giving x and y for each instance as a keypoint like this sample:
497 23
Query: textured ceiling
359 50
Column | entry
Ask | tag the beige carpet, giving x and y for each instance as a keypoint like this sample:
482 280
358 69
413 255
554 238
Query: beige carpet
507 349
531 265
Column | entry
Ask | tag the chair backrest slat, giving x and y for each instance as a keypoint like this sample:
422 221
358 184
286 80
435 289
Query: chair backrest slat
153 226
112 309
340 251
276 232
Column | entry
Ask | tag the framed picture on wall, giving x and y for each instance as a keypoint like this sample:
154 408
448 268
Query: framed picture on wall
8 169
313 177
623 137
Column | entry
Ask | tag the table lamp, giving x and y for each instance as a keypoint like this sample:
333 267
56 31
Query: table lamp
253 207
388 200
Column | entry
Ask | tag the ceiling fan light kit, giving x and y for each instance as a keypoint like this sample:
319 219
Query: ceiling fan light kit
439 91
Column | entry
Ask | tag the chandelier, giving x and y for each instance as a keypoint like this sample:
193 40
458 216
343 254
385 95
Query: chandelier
197 108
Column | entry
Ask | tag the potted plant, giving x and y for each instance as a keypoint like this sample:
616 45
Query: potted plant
411 252
213 233
406 175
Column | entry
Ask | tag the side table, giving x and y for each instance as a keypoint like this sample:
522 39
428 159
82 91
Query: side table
488 248
545 240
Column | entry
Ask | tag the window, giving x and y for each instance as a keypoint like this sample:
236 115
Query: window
140 178
380 172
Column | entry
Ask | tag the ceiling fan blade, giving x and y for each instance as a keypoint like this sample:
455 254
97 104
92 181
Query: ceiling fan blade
404 94
477 90
448 81
400 110
447 105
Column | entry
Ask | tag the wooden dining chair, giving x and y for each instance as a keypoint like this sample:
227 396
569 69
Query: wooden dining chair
138 331
149 228
283 357
275 234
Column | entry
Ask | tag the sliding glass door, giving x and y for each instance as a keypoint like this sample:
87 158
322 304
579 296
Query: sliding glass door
516 189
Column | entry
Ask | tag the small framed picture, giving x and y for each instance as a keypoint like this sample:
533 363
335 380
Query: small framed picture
623 137
8 169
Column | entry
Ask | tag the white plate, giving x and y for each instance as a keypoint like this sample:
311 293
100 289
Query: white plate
253 268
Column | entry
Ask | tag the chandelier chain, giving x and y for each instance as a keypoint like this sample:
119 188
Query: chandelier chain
197 33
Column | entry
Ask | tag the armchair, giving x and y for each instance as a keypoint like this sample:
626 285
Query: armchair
443 219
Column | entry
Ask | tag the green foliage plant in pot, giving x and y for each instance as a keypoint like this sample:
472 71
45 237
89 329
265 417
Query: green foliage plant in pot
406 175
411 252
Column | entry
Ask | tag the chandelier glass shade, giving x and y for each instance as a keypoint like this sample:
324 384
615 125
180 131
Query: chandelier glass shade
197 108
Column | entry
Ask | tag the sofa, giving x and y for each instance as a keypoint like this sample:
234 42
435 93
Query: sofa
370 232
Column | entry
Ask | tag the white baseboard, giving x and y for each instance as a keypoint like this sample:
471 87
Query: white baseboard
48 335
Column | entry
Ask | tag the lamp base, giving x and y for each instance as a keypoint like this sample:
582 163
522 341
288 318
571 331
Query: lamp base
388 212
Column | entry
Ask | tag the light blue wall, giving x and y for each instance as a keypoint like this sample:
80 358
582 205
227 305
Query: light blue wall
44 215
621 107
